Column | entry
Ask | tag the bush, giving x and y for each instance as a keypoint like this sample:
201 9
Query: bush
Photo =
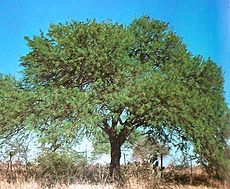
54 167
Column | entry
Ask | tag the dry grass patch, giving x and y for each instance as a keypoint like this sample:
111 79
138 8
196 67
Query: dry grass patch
130 185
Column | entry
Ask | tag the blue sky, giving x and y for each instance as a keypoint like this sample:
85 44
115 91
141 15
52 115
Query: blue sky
204 25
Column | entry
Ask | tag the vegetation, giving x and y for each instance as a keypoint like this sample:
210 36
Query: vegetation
59 168
97 177
110 81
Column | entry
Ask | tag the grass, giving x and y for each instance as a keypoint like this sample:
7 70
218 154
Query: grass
34 185
135 177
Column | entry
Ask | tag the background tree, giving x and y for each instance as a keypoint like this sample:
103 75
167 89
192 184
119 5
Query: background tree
13 107
120 78
12 101
149 149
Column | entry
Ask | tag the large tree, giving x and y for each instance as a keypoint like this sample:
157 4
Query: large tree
119 78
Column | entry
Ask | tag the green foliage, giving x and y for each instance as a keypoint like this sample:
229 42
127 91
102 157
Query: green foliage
86 75
100 144
14 105
76 54
58 168
147 149
10 113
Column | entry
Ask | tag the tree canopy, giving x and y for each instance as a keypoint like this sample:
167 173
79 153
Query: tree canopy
118 78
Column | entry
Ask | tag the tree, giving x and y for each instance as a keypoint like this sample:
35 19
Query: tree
14 135
13 104
8 93
120 78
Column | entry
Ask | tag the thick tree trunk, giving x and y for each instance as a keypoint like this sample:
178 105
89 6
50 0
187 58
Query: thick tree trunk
116 141
115 158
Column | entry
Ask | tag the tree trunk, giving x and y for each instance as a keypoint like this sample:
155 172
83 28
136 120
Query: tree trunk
115 159
116 141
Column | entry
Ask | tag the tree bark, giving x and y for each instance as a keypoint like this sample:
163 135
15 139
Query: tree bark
115 158
116 140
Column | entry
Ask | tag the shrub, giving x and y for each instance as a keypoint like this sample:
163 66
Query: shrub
54 167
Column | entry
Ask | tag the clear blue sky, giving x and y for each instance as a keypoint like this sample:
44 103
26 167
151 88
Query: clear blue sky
203 24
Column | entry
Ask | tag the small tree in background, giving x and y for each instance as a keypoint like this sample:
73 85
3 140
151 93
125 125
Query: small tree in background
14 134
13 104
148 149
